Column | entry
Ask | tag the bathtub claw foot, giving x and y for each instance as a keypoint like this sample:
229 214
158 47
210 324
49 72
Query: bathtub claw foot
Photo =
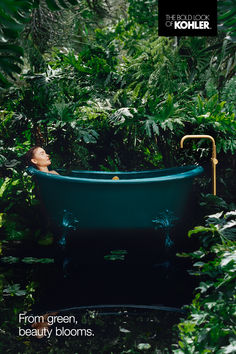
165 220
69 223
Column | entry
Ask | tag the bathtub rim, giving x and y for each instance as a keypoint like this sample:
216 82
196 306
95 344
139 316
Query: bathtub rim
192 172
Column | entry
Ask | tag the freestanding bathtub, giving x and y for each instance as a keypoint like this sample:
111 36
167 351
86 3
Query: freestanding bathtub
92 200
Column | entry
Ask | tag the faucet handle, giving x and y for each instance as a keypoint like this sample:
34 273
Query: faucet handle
214 160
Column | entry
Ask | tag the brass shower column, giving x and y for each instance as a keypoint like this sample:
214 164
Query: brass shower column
214 160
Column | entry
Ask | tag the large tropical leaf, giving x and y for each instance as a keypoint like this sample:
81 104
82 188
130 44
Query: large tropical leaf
227 18
14 15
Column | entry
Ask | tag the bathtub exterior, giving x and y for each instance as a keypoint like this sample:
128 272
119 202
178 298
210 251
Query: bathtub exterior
92 200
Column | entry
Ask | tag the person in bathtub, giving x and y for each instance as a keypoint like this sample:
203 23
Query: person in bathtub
38 158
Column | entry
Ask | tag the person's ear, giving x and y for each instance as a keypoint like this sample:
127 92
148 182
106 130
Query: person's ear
34 161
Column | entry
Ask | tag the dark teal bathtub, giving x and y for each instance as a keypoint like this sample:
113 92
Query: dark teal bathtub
91 200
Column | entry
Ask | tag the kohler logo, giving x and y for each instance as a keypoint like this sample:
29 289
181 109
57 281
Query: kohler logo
191 25
181 18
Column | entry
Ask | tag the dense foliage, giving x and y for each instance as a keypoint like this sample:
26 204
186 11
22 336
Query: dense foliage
94 84
123 87
210 325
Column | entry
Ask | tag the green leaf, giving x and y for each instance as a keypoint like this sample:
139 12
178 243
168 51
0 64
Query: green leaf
199 264
14 290
52 5
204 286
73 2
198 229
63 4
9 67
4 82
12 49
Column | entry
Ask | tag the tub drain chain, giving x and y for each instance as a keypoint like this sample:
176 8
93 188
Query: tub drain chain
165 220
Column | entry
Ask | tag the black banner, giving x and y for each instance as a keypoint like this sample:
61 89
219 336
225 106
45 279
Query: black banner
181 18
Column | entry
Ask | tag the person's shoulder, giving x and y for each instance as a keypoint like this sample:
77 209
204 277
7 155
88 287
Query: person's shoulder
54 172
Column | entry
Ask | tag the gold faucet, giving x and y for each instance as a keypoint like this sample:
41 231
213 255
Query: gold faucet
214 160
